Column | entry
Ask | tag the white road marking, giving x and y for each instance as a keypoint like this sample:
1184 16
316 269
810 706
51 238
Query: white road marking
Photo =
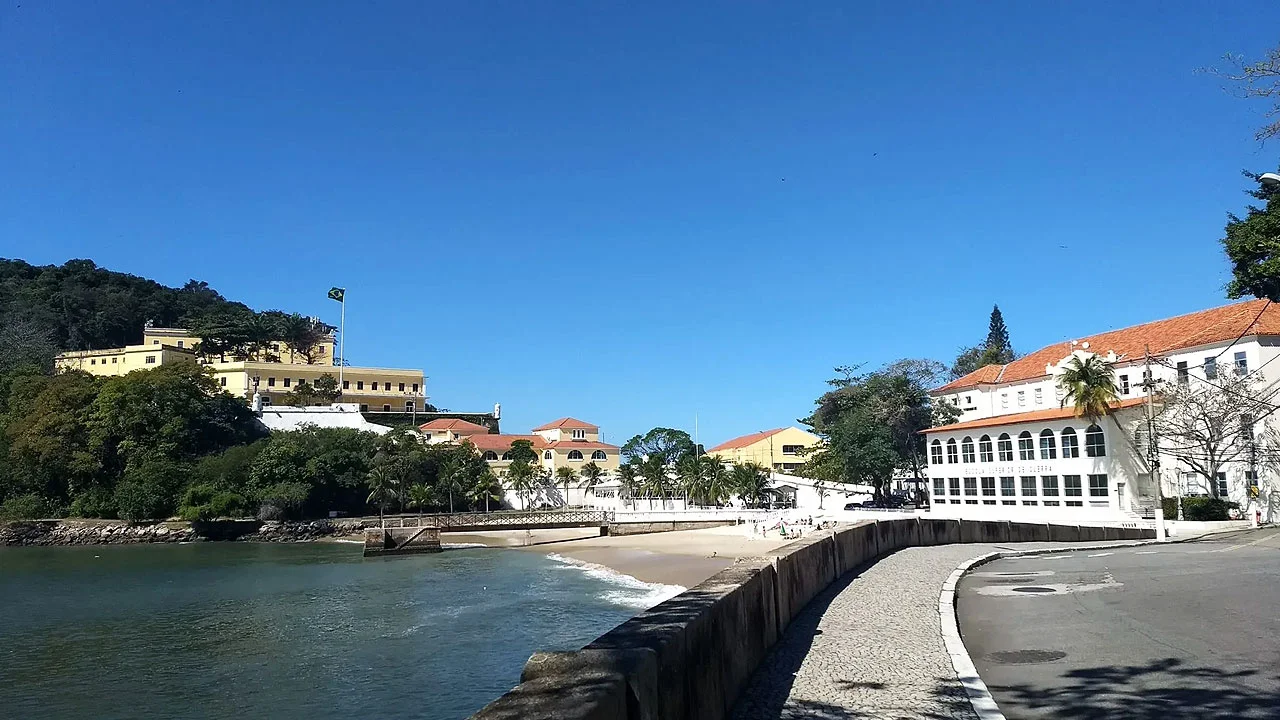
1145 552
1013 575
1101 554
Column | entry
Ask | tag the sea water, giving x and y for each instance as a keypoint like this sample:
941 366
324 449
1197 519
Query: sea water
230 630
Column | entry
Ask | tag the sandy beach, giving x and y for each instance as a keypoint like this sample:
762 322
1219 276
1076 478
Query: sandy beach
684 557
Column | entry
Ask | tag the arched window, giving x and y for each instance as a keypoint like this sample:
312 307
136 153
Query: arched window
1026 446
1004 445
546 455
935 452
506 456
1070 445
599 455
575 454
966 449
490 455
1048 446
952 456
1095 444
984 449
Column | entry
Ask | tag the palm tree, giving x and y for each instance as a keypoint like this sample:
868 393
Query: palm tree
420 496
627 482
752 483
566 475
592 475
654 473
521 477
448 483
381 487
1089 385
485 487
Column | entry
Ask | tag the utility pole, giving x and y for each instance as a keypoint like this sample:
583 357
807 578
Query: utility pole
1153 449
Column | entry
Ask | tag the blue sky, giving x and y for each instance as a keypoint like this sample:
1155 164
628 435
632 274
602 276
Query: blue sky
635 213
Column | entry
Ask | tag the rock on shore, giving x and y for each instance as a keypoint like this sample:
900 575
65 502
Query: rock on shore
63 532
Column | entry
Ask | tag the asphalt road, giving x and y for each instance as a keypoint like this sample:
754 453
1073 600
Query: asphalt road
1183 630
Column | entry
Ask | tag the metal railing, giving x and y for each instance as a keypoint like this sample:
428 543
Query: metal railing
513 519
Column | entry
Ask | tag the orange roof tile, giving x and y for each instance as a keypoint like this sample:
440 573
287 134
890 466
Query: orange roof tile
503 442
456 425
1215 325
745 440
565 423
1033 416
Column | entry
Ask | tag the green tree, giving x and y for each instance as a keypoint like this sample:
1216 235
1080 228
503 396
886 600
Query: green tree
566 476
521 477
324 391
592 475
1257 80
668 444
421 496
751 483
150 488
484 488
654 477
382 487
47 436
996 349
1252 245
302 336
629 482
522 451
1089 386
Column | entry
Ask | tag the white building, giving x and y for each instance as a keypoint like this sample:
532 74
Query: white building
1016 453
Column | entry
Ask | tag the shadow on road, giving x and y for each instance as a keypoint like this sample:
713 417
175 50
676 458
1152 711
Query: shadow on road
1158 690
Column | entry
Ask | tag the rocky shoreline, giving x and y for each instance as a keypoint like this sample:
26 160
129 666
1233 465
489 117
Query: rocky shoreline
72 532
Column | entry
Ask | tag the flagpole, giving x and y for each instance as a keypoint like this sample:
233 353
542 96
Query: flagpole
342 338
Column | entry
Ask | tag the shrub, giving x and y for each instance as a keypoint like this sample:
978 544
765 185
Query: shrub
95 502
283 500
149 489
27 507
206 502
1207 508
1170 505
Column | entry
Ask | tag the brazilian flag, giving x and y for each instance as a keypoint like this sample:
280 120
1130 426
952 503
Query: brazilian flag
337 293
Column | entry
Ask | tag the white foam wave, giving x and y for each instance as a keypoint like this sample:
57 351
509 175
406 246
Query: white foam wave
462 546
630 591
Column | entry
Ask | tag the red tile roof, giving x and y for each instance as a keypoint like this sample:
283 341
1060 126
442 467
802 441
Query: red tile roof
462 427
565 423
745 440
1206 327
502 443
1033 416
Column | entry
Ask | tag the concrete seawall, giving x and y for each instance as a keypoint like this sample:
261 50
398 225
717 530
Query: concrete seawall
659 526
691 656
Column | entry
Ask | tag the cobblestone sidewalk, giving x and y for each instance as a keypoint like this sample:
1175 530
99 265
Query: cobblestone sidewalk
870 646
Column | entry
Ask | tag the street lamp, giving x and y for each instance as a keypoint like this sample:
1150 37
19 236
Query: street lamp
1269 179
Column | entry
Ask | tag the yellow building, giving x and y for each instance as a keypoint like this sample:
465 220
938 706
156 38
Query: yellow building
564 443
782 449
118 361
374 389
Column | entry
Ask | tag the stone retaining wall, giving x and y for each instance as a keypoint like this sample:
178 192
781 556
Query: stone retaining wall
115 532
691 656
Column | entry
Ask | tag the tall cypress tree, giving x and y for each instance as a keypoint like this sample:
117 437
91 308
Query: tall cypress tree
998 348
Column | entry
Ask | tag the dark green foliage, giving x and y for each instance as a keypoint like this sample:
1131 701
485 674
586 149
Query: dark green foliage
995 350
27 507
149 488
324 392
669 444
1199 508
95 502
1252 244
207 502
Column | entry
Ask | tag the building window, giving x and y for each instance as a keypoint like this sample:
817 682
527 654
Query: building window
1022 398
1124 384
490 455
966 449
415 387
1183 375
984 449
346 384
92 361
546 455
1039 396
271 382
1097 486
113 361
1006 486
401 387
935 452
951 451
1070 444
151 359
968 399
1222 484
364 408
1048 447
989 486
1030 502
359 384
1029 485
1004 445
939 486
1004 400
954 484
786 449
1050 485
1095 444
155 342
224 381
266 401
180 344
1008 502
1071 486
386 386
971 486
409 407
1242 363
599 455
575 455
1211 368
1026 446
386 408
506 456
582 435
